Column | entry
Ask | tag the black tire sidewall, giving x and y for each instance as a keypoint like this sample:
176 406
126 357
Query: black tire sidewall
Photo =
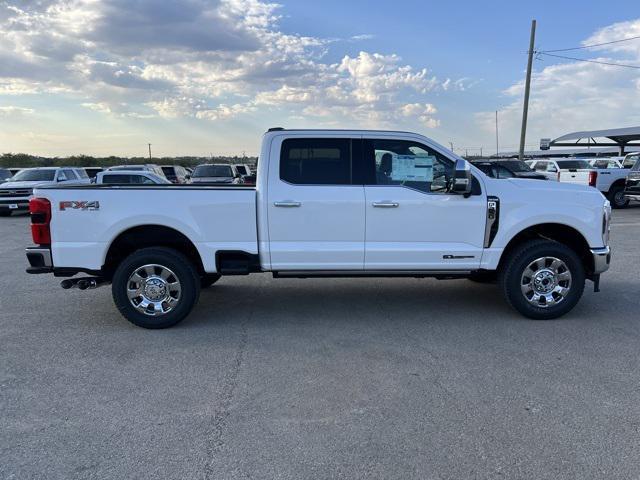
176 262
520 259
612 198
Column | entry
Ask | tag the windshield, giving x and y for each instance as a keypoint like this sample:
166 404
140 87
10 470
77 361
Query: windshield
34 176
573 164
213 171
636 167
515 165
169 171
4 173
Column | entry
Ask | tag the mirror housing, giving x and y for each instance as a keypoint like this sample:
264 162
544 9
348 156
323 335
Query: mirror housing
462 180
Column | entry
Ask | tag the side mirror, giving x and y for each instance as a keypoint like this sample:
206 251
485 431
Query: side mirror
462 179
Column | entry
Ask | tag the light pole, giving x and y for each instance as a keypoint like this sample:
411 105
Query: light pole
527 87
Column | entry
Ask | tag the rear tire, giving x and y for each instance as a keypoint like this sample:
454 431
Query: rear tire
617 198
209 279
161 278
543 279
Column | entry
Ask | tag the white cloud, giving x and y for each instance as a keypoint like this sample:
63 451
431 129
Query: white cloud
573 96
11 111
205 59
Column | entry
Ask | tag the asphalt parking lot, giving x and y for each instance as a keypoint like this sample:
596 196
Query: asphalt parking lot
326 378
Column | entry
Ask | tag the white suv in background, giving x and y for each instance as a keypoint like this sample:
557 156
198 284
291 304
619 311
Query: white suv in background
15 194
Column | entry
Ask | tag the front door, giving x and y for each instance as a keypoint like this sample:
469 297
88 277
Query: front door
412 222
316 215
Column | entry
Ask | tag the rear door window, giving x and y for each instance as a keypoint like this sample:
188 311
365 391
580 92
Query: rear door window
540 166
69 174
116 179
316 161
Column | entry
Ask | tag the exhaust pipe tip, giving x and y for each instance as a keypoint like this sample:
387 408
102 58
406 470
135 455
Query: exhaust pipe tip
67 284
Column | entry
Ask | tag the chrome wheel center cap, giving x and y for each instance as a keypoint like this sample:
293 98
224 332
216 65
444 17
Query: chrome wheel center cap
544 281
155 289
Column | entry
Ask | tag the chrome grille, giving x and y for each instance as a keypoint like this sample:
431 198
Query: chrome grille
18 192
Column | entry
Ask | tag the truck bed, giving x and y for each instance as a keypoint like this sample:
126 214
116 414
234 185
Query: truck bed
91 217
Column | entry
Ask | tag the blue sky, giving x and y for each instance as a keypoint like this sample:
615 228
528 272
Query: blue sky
195 77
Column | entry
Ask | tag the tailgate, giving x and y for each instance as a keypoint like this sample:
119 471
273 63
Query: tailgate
580 176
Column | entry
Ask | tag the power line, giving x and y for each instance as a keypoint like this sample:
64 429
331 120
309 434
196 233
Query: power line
592 45
588 60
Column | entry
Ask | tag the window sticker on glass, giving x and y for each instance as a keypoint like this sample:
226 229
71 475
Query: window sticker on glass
412 168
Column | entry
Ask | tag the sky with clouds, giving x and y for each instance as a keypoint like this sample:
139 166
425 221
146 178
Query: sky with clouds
200 77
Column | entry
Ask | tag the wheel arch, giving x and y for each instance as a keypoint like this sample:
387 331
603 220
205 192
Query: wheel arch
558 232
618 183
150 235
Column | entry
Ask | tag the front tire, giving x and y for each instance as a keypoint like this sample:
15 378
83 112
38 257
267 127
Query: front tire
617 198
155 287
543 279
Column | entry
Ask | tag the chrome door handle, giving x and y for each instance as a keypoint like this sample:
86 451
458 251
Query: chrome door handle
287 203
386 204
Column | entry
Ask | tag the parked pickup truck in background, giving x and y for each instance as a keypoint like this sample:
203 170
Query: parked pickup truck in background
120 177
632 188
15 193
610 181
327 203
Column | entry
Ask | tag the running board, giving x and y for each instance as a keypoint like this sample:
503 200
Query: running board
441 274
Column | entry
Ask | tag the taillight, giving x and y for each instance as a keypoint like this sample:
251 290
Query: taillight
593 176
40 209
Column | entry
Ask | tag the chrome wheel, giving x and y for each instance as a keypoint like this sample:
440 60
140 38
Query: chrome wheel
546 282
153 290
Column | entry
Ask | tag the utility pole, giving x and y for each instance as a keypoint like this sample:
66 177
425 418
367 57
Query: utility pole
149 151
466 152
527 87
480 152
497 148
451 144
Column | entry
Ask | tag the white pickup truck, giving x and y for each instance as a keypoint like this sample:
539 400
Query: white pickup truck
327 203
609 179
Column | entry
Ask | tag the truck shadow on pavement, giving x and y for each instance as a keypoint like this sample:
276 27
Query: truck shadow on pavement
351 301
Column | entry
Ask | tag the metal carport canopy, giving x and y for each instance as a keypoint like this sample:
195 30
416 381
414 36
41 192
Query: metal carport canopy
620 137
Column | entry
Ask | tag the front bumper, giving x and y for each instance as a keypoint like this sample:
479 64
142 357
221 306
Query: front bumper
39 260
601 259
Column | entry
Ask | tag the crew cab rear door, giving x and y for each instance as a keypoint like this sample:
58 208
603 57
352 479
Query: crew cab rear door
316 214
412 222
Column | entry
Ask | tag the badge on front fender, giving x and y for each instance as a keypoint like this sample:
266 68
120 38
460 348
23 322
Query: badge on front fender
79 205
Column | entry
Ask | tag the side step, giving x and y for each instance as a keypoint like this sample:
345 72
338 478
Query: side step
439 274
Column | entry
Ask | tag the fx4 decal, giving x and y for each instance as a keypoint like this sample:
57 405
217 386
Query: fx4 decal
79 205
